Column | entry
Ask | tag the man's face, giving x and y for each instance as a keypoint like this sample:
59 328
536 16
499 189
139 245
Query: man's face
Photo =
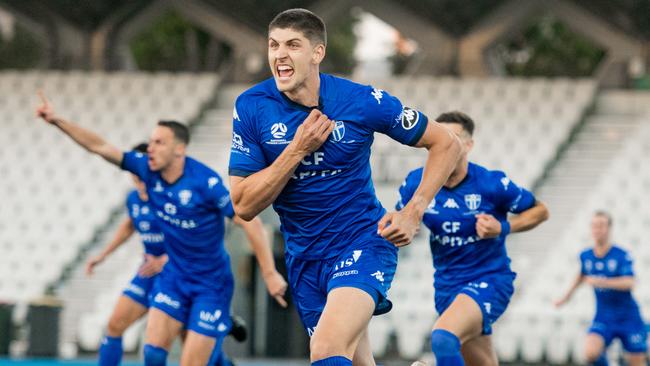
599 228
163 148
292 57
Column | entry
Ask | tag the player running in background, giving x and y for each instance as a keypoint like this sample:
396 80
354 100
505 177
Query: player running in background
301 141
468 220
608 268
195 288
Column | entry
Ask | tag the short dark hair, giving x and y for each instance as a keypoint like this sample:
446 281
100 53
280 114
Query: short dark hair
605 214
181 132
302 20
141 147
458 117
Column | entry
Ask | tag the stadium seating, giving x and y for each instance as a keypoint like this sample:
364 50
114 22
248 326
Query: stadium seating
58 195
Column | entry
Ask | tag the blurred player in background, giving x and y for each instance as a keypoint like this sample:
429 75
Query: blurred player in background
468 220
301 141
608 268
195 288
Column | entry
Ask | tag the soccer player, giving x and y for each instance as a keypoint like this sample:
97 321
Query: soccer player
608 268
301 141
469 223
190 202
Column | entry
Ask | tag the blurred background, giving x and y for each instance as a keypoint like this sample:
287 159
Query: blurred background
559 89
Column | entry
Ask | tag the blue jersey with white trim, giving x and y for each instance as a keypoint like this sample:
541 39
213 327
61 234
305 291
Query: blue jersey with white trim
611 305
459 255
330 201
146 224
191 214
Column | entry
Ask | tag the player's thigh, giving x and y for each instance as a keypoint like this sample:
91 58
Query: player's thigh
346 316
126 312
594 345
197 349
162 329
363 353
636 359
463 318
479 351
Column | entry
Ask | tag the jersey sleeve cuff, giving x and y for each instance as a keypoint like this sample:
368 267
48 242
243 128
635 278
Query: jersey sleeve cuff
240 172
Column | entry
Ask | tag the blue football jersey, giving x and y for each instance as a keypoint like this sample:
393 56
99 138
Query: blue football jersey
146 224
613 305
330 201
459 255
191 214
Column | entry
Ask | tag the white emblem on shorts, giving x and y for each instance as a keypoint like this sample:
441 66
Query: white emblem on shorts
488 307
379 276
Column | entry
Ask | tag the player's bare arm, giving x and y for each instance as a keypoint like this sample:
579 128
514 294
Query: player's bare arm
252 194
444 152
487 226
123 233
579 279
85 138
258 239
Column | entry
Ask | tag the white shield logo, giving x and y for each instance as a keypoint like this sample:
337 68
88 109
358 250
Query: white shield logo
473 201
339 131
185 196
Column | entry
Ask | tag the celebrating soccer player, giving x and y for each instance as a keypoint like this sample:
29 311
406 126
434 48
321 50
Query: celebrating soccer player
469 223
301 141
608 268
189 201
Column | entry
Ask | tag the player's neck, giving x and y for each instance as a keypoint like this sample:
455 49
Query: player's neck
601 249
458 175
306 94
174 171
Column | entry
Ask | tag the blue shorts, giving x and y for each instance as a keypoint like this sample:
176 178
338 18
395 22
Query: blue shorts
139 289
492 293
633 335
202 308
369 266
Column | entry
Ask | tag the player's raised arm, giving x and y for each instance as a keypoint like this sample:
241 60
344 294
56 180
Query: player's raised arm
255 192
444 152
123 233
275 283
85 138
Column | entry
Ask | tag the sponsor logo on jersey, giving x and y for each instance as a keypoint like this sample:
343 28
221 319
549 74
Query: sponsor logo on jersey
450 203
206 316
238 143
599 266
170 208
377 94
409 118
144 225
145 210
212 181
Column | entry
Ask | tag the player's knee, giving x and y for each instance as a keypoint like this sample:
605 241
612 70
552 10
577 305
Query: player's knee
444 343
116 326
321 348
154 356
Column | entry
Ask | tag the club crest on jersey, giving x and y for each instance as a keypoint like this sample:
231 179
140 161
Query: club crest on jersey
409 118
145 210
135 210
473 201
339 131
144 225
588 265
612 264
185 196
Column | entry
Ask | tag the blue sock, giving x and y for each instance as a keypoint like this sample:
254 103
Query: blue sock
333 361
602 360
110 352
154 356
446 348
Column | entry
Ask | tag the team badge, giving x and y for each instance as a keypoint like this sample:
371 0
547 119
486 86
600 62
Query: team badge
473 201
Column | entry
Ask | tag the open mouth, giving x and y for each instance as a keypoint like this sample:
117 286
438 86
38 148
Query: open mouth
284 71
